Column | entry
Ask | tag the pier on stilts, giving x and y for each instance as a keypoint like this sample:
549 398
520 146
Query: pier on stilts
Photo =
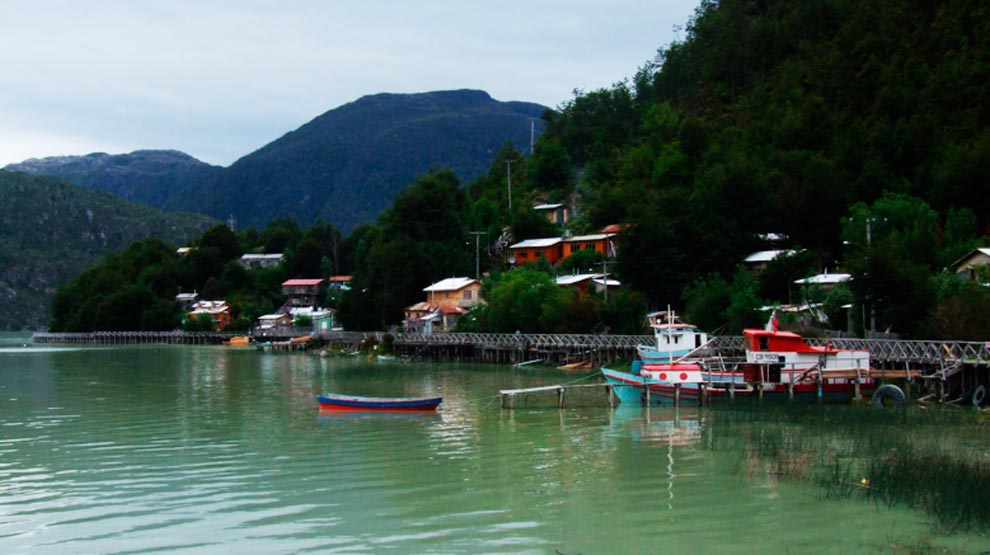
955 372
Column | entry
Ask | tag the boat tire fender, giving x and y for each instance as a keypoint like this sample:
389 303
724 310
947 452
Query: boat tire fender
979 395
888 395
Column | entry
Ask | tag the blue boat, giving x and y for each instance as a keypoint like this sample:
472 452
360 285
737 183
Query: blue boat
337 402
660 383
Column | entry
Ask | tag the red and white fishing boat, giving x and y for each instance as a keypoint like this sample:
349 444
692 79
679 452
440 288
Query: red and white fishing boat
783 364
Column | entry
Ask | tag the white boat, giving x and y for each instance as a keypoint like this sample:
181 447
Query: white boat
674 339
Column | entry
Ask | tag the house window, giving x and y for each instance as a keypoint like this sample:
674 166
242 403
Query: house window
467 295
522 254
589 246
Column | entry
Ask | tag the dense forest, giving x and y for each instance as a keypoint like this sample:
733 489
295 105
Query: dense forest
856 130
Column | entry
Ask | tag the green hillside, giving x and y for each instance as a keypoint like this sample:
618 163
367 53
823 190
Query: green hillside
51 230
343 167
806 119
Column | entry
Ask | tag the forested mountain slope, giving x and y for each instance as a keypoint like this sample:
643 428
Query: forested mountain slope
51 230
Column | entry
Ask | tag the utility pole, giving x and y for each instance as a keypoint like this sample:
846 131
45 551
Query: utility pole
477 264
508 175
605 277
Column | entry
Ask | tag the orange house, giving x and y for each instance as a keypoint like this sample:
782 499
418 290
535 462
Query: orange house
602 243
530 250
219 312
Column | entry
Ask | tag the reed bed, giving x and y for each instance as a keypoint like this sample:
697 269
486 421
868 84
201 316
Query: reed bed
935 461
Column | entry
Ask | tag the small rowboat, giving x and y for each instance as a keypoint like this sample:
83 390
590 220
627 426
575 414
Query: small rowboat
333 401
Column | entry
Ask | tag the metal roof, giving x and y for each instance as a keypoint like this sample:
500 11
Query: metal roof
767 256
450 284
536 243
824 279
292 282
573 279
595 237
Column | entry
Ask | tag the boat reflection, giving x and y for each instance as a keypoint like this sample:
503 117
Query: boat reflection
414 416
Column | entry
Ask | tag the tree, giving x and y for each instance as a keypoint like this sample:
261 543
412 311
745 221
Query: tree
526 300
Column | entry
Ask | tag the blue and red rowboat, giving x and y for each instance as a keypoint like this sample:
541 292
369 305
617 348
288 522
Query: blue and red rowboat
334 401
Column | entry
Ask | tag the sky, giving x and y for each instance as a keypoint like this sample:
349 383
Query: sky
220 79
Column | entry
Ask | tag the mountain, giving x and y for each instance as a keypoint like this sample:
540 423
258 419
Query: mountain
145 176
343 167
51 230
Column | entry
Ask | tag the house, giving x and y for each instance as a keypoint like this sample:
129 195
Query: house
255 261
586 283
322 318
274 321
302 292
973 264
427 318
554 213
342 283
530 250
826 281
186 300
458 291
758 260
219 312
446 301
602 243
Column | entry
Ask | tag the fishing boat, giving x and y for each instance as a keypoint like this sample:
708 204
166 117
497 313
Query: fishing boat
674 339
337 402
783 364
778 364
678 382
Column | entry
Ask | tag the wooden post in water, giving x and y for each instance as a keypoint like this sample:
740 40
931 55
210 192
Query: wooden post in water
790 389
610 394
560 397
677 394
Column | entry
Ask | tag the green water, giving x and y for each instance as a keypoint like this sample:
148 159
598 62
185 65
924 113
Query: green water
157 449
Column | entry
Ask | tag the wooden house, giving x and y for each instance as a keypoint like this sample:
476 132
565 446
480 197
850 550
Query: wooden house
758 260
586 283
340 282
825 281
554 213
973 265
256 261
274 321
531 250
186 300
302 292
446 301
602 243
219 312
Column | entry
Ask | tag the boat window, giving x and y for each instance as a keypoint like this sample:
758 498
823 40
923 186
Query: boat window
764 344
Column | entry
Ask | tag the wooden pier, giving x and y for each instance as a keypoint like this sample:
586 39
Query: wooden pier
508 396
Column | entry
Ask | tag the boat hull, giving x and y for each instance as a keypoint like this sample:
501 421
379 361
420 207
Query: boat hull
632 388
334 402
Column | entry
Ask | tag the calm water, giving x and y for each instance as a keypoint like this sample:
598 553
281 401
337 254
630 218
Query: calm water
222 450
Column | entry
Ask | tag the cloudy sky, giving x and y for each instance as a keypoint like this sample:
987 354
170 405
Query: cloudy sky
219 79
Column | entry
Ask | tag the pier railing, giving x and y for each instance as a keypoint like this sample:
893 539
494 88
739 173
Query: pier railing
598 346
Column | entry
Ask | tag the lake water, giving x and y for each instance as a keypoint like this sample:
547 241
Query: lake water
180 449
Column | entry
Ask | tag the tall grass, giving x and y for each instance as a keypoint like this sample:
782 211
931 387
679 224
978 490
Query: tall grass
936 461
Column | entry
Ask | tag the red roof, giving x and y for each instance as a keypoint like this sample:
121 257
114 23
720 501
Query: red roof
334 279
292 282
